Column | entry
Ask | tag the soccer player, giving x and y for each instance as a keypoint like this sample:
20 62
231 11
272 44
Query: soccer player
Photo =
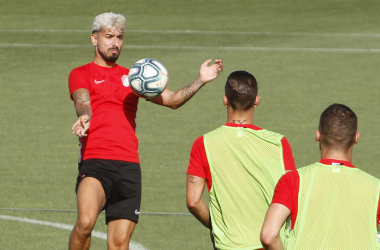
329 204
109 170
241 164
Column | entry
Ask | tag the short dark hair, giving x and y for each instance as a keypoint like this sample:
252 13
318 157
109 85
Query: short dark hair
338 125
241 90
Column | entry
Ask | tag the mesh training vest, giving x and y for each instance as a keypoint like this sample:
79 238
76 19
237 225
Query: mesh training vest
245 166
337 209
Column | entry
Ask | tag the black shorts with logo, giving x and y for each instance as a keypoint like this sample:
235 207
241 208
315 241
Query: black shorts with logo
121 182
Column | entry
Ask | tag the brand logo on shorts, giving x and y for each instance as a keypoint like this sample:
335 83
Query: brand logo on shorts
137 212
125 80
82 176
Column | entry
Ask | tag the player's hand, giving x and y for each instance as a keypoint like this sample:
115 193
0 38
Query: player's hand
208 73
81 126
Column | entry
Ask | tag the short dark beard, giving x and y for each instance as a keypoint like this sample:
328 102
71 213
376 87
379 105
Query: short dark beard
112 58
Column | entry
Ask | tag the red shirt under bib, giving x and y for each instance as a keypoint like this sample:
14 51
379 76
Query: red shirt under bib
198 164
287 189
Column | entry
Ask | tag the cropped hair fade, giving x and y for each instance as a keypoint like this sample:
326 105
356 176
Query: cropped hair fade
241 90
338 126
108 21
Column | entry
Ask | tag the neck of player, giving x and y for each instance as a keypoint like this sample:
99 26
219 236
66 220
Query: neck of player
336 153
239 117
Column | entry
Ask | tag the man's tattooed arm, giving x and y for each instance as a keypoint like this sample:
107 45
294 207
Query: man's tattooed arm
188 91
192 179
82 102
82 105
195 186
176 99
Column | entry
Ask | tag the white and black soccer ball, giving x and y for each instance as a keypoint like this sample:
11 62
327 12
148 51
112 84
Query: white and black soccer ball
148 78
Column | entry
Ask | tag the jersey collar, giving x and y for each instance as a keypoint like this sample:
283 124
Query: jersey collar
336 162
251 126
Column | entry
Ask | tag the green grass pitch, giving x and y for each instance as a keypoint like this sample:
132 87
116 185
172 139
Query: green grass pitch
305 55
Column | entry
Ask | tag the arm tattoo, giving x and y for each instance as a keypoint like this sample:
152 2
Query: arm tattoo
82 102
188 91
84 98
239 121
193 179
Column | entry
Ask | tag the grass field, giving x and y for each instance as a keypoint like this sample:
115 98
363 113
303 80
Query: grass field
305 55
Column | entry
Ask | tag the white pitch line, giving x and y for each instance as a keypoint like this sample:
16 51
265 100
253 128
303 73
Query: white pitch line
74 211
251 33
132 245
51 45
278 49
283 49
206 32
42 31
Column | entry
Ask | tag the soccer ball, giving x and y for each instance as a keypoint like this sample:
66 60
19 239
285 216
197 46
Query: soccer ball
148 78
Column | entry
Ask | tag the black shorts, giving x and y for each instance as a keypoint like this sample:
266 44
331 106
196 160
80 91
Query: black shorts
121 182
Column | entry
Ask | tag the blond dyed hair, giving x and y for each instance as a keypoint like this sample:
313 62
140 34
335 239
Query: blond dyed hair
108 21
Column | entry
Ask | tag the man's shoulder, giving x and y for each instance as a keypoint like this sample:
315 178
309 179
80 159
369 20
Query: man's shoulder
270 136
367 175
122 70
121 67
80 69
273 133
289 178
198 142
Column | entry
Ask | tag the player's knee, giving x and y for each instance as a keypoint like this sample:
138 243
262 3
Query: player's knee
119 241
119 244
84 225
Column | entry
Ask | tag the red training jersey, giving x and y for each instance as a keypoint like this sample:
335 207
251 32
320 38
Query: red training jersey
198 165
111 134
286 191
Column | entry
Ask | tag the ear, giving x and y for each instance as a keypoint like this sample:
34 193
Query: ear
317 135
225 101
357 135
94 40
257 101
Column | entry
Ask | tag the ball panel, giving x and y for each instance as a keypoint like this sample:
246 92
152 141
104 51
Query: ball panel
136 84
161 67
134 71
149 71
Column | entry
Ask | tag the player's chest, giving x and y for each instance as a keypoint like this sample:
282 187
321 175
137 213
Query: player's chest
109 86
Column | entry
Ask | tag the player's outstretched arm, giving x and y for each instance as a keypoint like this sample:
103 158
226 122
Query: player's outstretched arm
82 105
194 188
176 99
273 222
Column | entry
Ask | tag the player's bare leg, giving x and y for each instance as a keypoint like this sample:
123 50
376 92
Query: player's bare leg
91 200
119 234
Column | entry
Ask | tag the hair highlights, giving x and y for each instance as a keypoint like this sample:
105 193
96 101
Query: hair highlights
108 21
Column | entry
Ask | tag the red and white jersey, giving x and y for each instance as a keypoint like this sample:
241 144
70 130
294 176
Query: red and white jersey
111 134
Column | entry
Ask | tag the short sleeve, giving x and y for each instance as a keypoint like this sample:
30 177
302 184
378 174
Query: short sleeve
284 192
287 155
196 159
77 80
